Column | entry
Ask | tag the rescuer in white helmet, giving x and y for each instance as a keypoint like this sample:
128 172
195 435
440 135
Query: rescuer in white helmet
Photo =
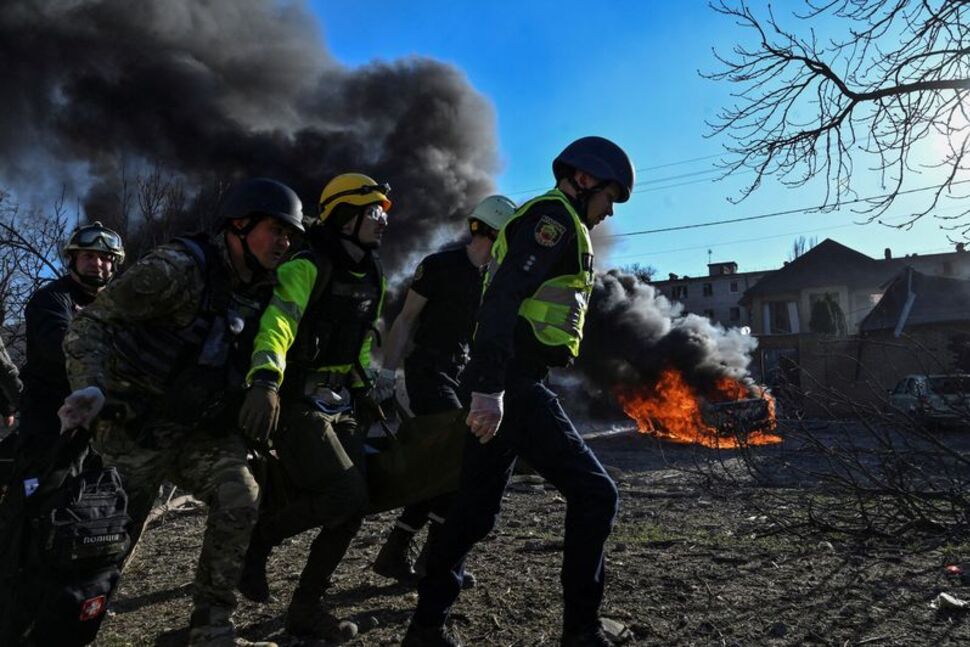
439 315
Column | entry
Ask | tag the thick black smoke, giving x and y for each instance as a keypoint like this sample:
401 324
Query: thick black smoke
633 333
216 90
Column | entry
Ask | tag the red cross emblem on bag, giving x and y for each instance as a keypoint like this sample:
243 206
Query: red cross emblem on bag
93 607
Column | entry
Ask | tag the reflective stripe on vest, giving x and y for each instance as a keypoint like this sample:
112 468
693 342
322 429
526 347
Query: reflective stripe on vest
557 309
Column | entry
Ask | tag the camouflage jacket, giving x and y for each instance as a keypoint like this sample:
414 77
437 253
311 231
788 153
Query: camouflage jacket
163 290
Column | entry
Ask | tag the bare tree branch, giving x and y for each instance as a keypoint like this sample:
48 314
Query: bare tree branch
807 109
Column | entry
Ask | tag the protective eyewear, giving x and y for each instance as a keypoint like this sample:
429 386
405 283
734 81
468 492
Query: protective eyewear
376 213
89 237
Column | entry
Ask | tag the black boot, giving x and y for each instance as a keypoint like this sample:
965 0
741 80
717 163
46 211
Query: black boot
309 616
591 636
394 559
421 636
252 583
420 564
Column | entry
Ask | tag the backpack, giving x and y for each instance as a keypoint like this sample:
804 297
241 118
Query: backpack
63 540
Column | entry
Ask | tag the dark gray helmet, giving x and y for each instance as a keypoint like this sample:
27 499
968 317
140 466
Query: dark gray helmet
600 158
261 197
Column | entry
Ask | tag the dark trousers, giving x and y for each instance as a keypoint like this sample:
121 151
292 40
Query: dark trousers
536 428
323 456
432 383
38 432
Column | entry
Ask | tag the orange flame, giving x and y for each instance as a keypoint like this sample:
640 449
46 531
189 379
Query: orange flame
672 410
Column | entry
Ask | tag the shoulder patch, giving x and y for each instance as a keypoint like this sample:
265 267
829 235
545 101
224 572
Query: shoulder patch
419 272
549 231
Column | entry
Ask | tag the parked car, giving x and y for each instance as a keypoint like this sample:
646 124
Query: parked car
936 400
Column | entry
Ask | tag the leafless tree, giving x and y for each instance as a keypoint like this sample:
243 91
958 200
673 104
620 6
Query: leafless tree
801 245
30 251
644 273
146 207
861 468
810 107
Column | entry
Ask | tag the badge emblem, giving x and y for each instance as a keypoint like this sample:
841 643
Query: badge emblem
549 232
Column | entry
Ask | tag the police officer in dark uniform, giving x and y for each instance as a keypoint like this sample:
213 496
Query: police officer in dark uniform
439 312
531 318
94 254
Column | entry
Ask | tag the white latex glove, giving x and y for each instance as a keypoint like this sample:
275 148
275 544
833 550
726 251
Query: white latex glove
384 381
485 415
81 408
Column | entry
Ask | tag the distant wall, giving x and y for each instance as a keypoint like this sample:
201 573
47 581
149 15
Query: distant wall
807 369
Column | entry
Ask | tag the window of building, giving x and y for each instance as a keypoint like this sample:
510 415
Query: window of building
709 314
680 291
781 317
735 315
708 289
734 286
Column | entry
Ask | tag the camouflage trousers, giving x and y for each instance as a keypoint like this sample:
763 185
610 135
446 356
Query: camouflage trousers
214 469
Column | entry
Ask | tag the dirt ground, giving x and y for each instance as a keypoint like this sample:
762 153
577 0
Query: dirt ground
691 562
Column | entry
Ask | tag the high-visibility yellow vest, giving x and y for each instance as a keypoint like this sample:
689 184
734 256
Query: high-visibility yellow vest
557 309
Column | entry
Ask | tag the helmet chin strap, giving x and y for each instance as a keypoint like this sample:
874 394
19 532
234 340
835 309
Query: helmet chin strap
252 263
354 236
584 195
88 281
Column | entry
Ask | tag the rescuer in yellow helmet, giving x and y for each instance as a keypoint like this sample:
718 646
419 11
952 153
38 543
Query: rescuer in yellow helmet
318 332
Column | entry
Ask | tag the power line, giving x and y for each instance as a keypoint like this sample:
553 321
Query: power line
678 176
775 214
727 242
644 169
689 182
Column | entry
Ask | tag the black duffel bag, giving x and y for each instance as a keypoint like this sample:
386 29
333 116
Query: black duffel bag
65 536
421 461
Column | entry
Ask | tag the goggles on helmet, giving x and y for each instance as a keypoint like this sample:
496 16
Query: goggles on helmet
376 213
90 237
383 187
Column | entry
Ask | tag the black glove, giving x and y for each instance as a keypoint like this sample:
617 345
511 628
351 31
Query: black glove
260 411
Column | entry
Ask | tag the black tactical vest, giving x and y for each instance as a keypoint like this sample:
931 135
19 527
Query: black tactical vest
202 365
341 312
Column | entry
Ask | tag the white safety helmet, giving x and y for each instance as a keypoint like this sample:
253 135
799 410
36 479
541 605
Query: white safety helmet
494 211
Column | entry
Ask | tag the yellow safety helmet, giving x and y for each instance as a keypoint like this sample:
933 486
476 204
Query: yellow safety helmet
353 188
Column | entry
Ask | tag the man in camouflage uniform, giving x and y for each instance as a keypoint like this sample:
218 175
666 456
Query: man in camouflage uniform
162 344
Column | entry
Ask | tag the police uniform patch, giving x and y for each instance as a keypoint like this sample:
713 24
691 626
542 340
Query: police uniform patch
549 232
419 272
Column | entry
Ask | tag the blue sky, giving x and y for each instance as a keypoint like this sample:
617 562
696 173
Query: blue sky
627 70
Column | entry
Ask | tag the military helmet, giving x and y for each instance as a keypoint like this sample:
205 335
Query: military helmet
599 157
262 198
355 189
96 237
494 211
